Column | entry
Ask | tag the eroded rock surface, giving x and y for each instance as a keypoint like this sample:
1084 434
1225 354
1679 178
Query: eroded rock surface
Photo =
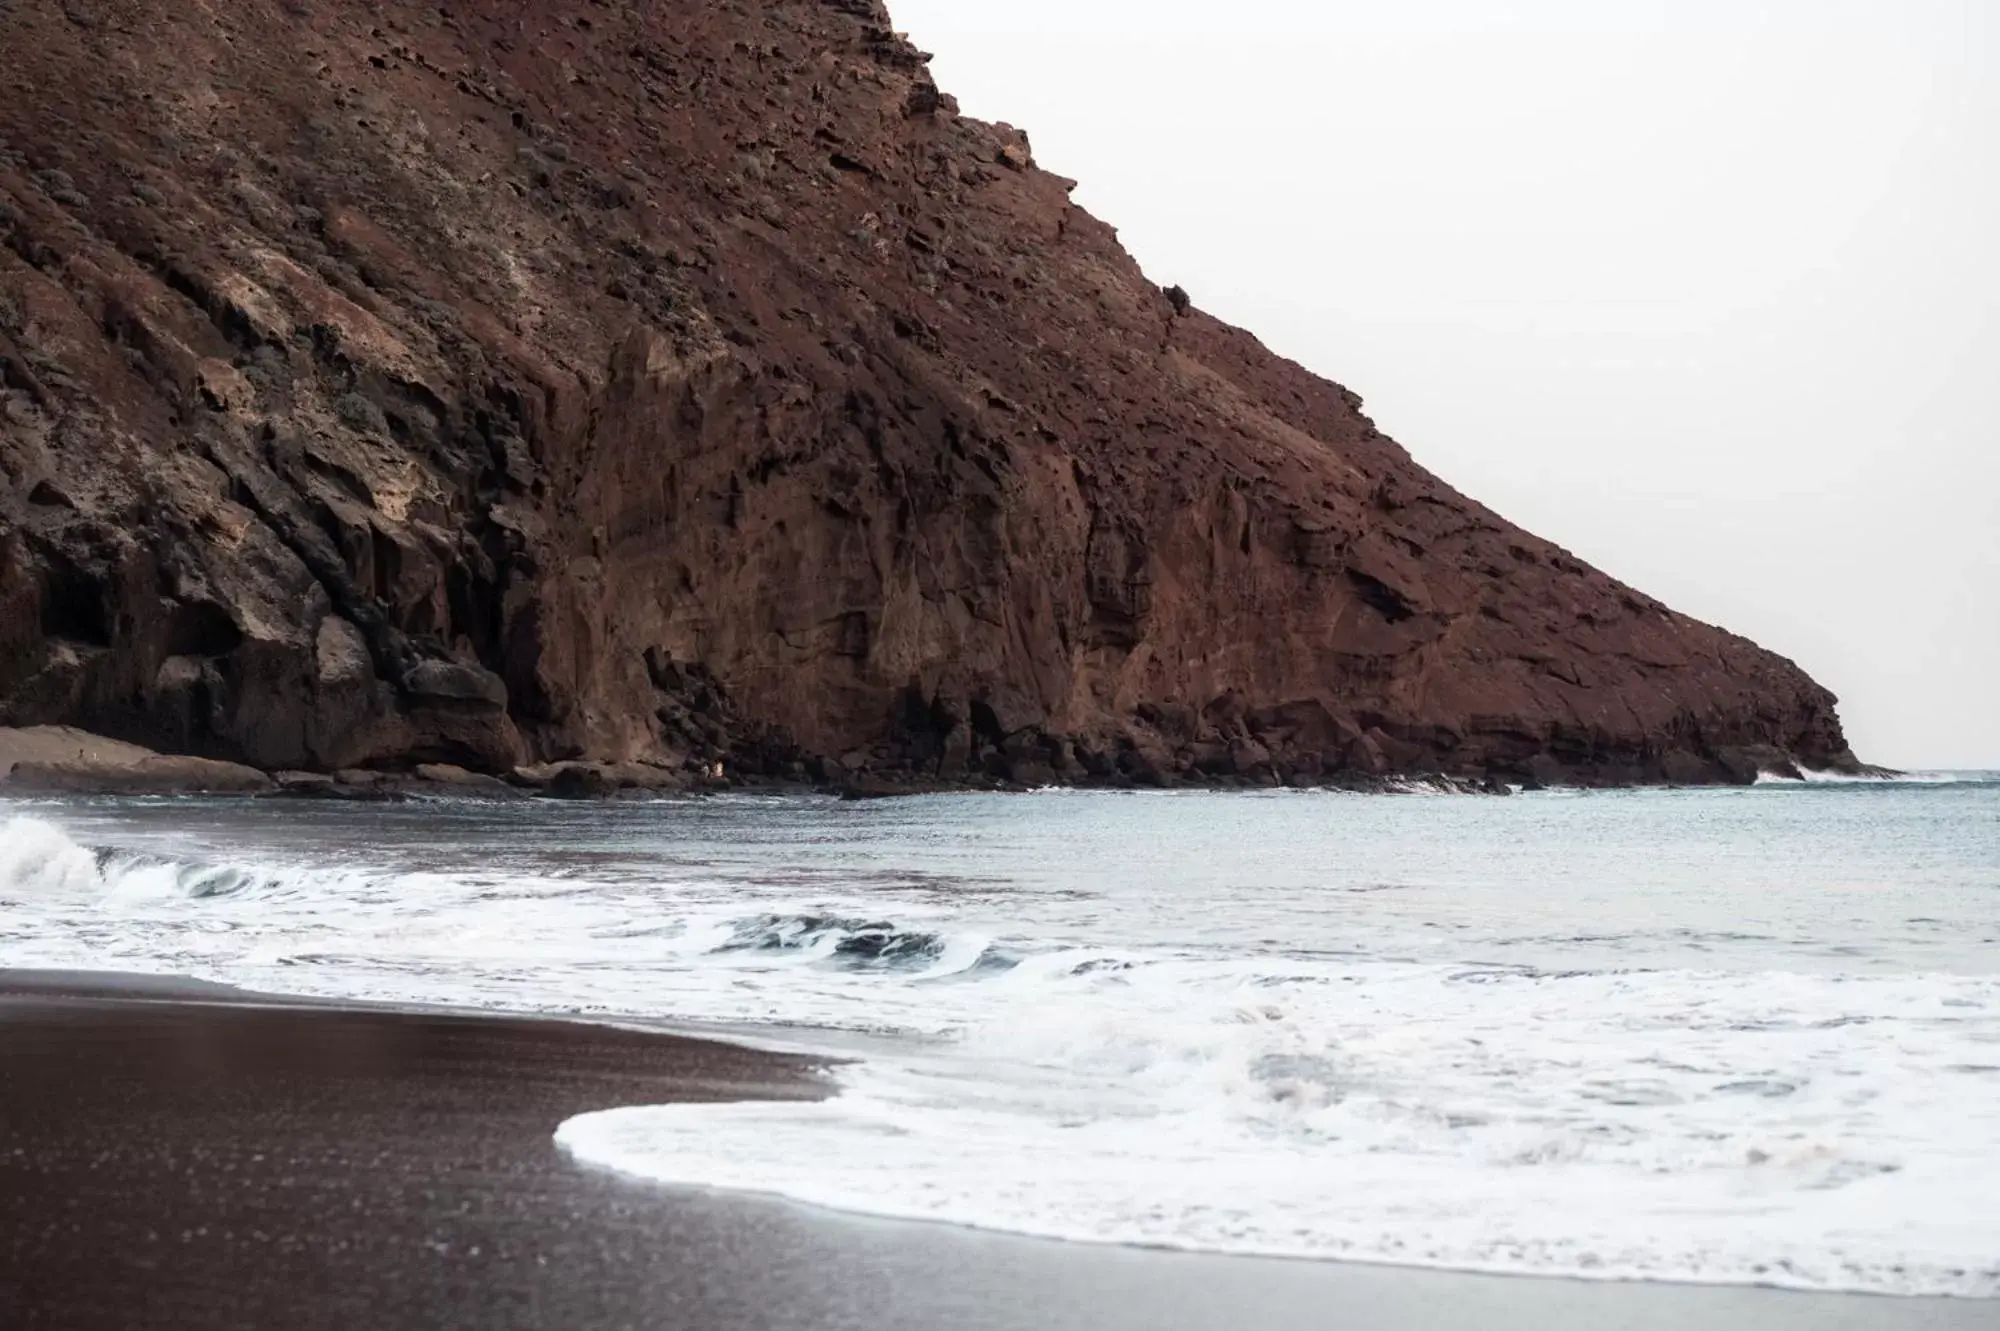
155 774
689 383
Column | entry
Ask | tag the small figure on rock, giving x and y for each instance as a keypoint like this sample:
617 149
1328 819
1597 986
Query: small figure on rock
1178 298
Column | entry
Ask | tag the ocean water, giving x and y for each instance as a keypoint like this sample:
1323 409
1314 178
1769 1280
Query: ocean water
1723 1035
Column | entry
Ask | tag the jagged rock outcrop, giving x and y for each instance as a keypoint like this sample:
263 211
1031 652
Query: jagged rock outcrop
384 384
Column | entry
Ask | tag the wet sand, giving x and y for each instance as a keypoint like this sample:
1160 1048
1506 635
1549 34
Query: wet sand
176 1155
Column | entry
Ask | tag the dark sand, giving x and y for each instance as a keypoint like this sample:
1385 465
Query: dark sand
177 1155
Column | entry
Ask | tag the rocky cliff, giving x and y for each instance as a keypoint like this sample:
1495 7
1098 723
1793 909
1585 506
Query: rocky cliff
385 383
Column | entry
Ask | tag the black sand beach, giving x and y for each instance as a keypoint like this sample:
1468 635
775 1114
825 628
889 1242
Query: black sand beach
175 1155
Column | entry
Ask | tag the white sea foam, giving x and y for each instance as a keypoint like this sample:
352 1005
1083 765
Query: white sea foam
1503 1035
1759 1129
37 858
1813 777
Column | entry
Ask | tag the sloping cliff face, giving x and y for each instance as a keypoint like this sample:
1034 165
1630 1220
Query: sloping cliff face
386 383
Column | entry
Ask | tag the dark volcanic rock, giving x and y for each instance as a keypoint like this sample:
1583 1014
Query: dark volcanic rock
457 780
577 781
158 774
386 384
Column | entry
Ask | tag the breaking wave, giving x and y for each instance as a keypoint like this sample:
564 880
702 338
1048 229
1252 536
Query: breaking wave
1810 777
857 944
37 858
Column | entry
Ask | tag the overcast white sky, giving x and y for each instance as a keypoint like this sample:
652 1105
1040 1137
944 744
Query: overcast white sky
1706 290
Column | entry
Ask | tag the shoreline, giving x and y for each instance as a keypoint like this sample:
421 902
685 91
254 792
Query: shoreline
63 760
231 1157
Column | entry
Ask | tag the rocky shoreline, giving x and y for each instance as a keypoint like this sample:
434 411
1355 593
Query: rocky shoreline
61 760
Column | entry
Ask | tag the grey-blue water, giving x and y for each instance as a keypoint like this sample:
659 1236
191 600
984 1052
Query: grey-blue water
1735 1035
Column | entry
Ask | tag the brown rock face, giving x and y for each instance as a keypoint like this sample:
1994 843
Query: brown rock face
387 384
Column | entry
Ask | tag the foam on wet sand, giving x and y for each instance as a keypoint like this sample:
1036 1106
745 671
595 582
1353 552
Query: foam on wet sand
207 1157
